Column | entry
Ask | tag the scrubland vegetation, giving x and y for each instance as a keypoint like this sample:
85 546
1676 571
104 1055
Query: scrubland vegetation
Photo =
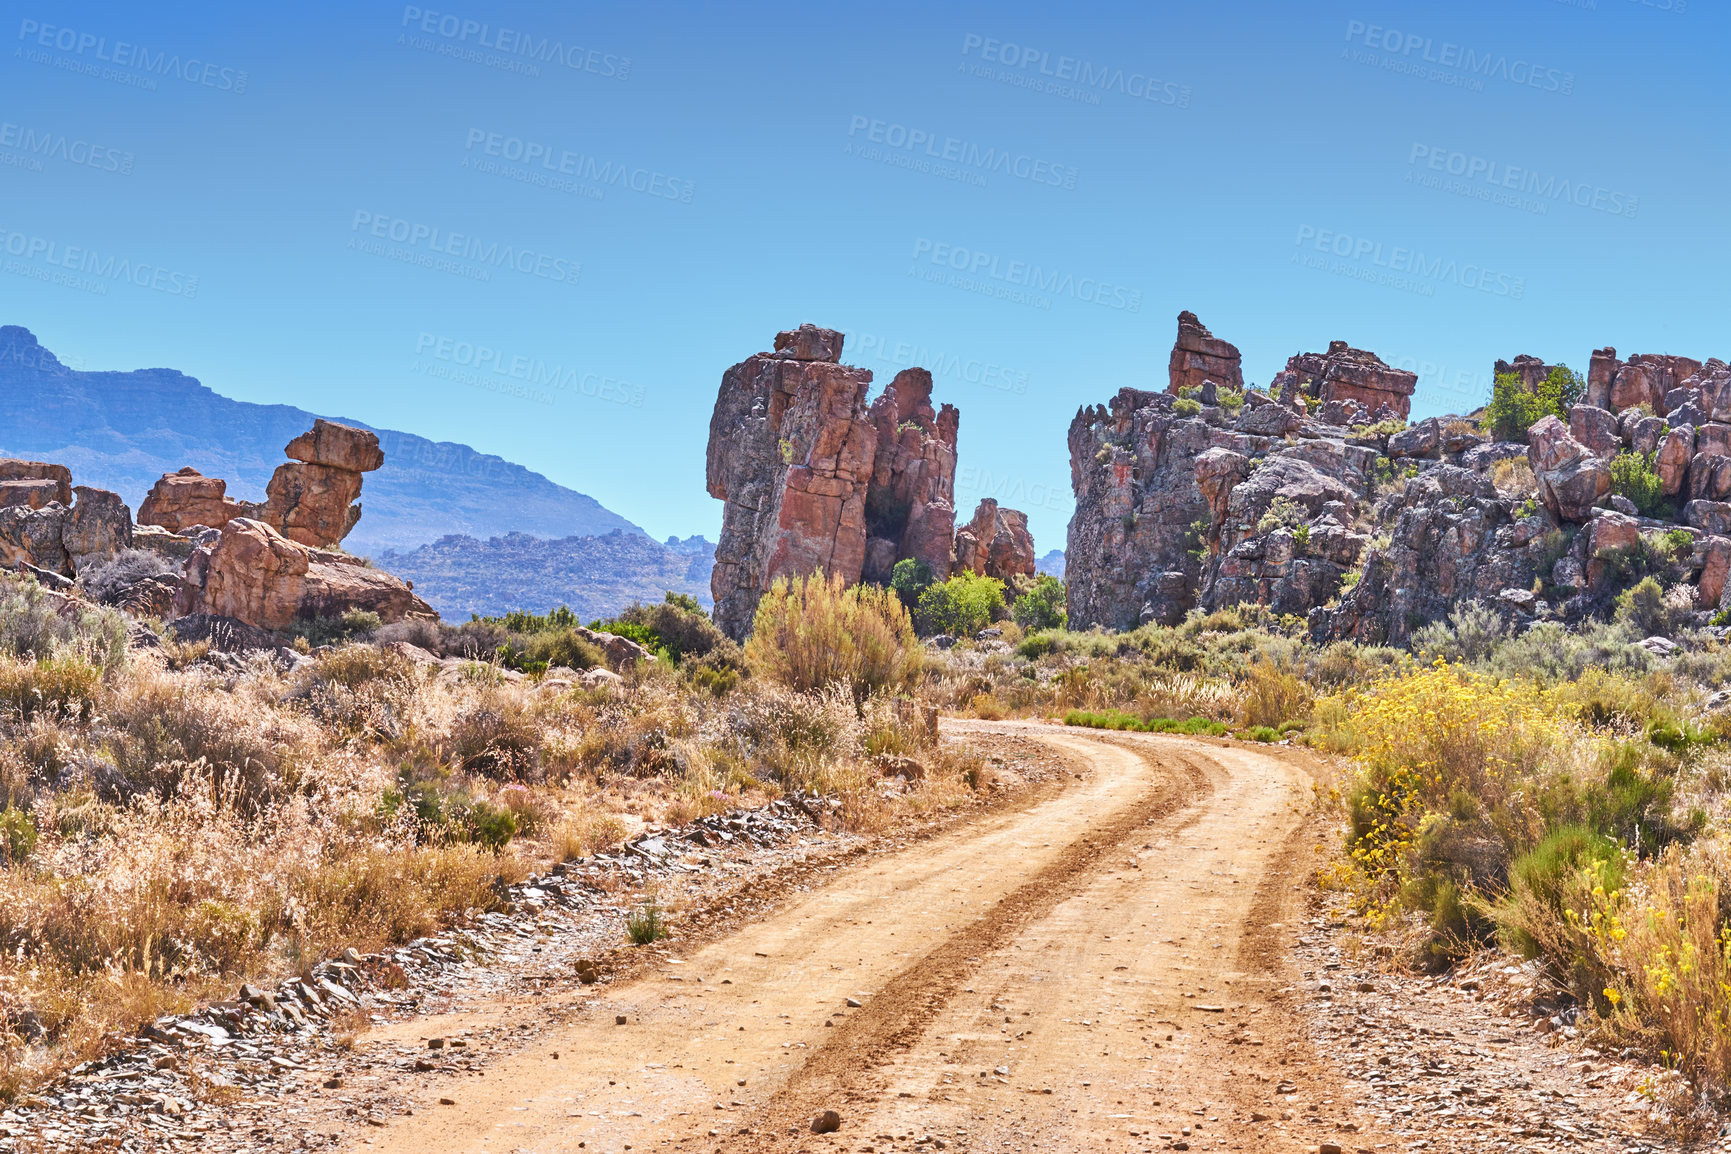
172 823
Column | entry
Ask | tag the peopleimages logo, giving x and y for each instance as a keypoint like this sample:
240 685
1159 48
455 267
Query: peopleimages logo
1069 76
1017 280
512 44
531 373
36 145
1405 268
548 162
427 245
86 269
122 54
986 159
1512 182
1462 63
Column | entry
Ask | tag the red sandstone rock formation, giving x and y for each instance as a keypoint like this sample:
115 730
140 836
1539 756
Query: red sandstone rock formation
910 506
996 543
791 454
1350 375
814 479
1198 355
254 573
181 500
311 500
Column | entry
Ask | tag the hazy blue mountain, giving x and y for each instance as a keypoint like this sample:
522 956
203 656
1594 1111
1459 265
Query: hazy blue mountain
121 431
595 576
1052 563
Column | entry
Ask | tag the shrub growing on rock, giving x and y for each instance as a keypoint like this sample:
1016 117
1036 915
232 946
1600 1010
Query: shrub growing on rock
1633 476
1513 410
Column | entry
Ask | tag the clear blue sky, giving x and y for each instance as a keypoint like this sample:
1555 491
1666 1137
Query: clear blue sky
642 195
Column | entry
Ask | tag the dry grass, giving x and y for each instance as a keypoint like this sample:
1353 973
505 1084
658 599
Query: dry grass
169 827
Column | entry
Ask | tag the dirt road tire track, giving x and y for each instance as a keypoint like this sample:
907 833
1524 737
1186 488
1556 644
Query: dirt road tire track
1104 912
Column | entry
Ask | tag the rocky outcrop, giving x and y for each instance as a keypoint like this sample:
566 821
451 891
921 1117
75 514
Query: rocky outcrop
1177 512
996 543
311 500
1452 540
34 483
1199 356
63 539
1571 477
1348 375
814 479
910 504
791 454
314 500
253 573
186 498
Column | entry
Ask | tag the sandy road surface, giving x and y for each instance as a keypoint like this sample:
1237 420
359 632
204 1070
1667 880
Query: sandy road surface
1095 971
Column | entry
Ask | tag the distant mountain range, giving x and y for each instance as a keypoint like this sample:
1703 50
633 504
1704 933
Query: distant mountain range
122 431
595 576
1052 563
474 532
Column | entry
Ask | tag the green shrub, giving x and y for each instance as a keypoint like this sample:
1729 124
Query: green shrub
32 626
1633 476
1185 407
909 579
647 923
1537 878
1115 719
1041 607
17 835
1037 645
1261 733
1513 410
961 606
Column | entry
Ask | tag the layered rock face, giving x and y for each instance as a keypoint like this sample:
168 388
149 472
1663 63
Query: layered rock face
254 573
311 500
1348 376
792 455
996 543
814 479
1173 513
911 503
1199 356
186 498
49 523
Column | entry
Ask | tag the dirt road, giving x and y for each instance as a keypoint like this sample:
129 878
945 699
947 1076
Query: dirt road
1097 970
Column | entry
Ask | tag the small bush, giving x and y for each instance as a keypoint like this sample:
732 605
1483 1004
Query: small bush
1185 407
1513 410
961 606
350 625
1274 695
647 923
64 686
813 632
108 580
1633 476
1041 607
909 579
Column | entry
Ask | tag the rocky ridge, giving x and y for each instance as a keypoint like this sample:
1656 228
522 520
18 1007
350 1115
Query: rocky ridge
1316 498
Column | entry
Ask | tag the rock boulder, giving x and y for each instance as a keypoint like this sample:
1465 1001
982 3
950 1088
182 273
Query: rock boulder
1571 477
996 543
